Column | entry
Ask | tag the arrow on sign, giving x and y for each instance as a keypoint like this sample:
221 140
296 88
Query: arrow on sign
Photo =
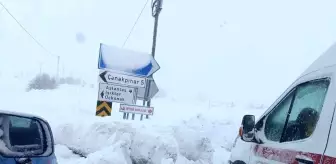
102 76
102 94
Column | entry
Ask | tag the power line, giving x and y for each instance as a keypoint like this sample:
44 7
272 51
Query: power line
136 21
24 29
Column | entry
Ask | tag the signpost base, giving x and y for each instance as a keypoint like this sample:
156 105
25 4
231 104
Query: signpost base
143 104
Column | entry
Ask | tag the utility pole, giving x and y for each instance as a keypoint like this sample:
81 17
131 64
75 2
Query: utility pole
156 9
63 70
40 68
57 75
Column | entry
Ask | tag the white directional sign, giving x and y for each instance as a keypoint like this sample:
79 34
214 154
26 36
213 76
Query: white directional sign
115 78
136 109
153 90
115 93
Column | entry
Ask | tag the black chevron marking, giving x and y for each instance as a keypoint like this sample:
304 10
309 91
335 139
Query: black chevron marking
102 110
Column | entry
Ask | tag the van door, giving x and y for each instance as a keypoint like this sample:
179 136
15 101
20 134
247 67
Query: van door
296 129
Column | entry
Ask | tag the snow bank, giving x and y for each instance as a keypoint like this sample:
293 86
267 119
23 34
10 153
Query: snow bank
179 132
201 139
138 143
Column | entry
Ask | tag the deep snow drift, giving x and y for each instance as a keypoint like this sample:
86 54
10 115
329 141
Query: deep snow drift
179 132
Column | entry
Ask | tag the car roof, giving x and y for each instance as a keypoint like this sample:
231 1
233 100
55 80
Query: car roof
327 59
21 114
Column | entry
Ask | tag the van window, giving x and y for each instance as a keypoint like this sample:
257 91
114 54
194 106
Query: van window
295 119
276 120
306 109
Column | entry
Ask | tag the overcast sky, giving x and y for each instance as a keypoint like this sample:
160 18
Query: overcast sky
220 48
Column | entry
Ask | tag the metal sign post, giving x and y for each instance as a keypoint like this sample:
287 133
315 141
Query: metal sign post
156 9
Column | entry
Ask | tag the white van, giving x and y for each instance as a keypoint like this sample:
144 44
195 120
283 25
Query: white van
299 126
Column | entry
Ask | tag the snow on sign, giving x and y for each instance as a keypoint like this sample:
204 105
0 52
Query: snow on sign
132 81
136 109
126 61
115 93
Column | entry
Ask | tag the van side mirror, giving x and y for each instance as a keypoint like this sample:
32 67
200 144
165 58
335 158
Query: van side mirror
248 124
24 136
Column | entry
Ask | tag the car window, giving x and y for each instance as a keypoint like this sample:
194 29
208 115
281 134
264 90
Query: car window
19 122
305 111
276 119
23 131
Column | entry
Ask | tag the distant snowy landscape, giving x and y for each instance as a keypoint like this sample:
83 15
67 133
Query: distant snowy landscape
219 60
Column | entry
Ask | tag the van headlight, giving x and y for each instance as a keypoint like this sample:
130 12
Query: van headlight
240 133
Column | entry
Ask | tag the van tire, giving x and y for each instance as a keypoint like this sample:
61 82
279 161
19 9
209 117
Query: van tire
238 162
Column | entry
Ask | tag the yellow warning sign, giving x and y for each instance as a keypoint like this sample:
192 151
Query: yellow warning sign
103 108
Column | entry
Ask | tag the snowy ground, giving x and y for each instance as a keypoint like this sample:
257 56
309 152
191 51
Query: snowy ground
188 131
179 132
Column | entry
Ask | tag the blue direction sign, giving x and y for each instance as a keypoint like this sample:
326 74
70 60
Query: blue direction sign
126 61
